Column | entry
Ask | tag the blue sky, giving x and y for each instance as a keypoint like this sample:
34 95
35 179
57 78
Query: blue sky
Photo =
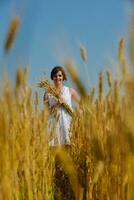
52 30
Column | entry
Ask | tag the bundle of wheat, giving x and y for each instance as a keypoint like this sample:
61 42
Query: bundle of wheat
49 88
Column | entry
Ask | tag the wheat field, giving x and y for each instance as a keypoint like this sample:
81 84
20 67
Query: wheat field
99 164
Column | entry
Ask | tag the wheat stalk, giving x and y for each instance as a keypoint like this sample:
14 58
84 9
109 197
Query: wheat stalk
100 85
121 54
109 78
13 28
83 54
52 90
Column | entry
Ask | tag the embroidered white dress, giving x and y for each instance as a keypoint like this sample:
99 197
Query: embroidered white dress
62 125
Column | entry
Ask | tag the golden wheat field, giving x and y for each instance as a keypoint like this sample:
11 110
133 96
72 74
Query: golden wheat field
99 165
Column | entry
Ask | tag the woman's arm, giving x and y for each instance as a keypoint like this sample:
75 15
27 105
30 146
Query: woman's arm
75 95
45 99
53 108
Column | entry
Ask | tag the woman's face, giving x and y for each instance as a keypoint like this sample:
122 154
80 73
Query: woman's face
58 78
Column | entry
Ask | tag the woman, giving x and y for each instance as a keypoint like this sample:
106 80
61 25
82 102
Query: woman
60 117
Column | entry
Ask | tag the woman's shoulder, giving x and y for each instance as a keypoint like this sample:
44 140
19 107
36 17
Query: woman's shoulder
69 89
65 88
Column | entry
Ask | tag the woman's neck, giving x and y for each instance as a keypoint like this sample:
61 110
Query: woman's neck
59 87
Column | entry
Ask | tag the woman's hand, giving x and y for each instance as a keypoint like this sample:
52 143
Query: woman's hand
61 101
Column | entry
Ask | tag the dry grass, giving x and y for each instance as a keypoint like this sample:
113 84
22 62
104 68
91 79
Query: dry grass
100 162
13 28
83 53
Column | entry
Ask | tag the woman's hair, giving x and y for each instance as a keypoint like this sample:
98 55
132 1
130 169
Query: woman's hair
56 69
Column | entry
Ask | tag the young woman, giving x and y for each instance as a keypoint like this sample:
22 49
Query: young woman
60 117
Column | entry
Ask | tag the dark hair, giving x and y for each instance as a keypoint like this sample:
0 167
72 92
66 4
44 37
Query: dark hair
55 70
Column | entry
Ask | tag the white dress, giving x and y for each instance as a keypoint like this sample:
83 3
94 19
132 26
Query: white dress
61 134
